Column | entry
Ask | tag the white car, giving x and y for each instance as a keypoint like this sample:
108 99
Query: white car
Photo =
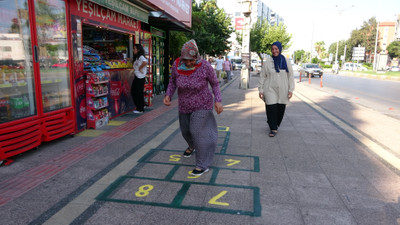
394 69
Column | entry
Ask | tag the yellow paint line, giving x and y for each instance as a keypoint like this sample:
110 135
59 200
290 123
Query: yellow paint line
116 123
223 128
91 133
373 146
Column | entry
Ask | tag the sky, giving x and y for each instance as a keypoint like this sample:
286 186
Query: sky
311 21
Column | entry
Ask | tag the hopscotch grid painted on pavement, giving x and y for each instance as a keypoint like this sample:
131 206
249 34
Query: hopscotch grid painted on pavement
106 195
179 173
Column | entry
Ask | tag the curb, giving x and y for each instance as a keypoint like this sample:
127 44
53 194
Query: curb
370 76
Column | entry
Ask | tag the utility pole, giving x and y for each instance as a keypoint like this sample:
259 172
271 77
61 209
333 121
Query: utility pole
245 72
376 45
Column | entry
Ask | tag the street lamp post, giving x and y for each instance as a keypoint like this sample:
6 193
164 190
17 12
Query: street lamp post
376 45
245 72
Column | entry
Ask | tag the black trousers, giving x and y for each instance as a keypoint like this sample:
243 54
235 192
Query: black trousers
275 114
137 92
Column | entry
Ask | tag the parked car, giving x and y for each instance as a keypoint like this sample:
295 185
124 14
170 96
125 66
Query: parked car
354 67
394 69
310 68
236 63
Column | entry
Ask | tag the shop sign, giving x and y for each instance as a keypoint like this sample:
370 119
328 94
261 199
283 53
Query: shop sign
179 9
88 9
125 8
239 23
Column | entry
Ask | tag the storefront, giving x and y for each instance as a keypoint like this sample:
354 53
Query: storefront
103 42
65 65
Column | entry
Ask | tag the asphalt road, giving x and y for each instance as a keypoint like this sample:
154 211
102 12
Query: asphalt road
380 95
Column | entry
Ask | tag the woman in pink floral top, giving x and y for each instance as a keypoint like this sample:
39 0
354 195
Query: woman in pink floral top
191 76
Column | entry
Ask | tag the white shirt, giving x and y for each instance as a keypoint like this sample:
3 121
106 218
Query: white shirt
219 64
140 73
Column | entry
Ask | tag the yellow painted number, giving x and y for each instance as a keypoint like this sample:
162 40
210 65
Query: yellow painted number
191 177
232 162
174 158
214 199
144 190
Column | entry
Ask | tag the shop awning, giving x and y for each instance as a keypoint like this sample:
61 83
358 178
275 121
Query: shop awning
163 21
159 18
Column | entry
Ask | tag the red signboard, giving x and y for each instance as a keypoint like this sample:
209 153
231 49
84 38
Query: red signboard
239 23
90 10
179 9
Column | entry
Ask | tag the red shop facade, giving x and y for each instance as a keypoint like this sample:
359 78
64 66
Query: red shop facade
65 65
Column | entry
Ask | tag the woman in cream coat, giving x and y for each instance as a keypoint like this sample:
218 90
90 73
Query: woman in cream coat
276 87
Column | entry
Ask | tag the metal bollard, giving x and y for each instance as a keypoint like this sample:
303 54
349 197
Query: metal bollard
309 78
300 77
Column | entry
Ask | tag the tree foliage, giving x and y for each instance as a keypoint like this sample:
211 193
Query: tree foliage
342 45
299 56
394 49
263 35
211 28
177 39
320 49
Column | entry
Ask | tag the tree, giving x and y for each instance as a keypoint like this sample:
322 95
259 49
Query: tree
320 48
212 28
342 44
394 49
177 39
299 56
364 37
263 35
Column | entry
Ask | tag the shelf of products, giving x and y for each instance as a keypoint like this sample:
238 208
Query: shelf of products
97 86
105 48
148 86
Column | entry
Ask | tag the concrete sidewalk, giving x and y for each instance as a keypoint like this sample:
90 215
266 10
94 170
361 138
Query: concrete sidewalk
329 164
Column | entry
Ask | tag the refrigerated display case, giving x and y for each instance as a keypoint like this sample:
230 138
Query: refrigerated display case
54 71
35 90
145 41
158 37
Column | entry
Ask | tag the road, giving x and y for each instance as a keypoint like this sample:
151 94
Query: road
380 95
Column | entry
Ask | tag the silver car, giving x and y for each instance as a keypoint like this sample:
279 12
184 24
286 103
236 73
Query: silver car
311 69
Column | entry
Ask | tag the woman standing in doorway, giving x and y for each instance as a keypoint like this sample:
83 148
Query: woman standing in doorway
140 70
276 87
191 75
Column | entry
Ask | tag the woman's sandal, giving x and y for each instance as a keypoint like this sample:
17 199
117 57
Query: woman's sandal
272 133
188 152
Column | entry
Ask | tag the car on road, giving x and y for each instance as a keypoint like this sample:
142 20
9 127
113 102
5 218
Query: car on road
394 69
311 69
354 67
236 63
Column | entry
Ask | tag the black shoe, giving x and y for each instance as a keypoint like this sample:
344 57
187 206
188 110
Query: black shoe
197 173
188 152
273 133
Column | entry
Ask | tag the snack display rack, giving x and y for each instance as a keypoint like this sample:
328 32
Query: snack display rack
97 86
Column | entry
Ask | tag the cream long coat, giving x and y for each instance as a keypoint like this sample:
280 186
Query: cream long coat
275 86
